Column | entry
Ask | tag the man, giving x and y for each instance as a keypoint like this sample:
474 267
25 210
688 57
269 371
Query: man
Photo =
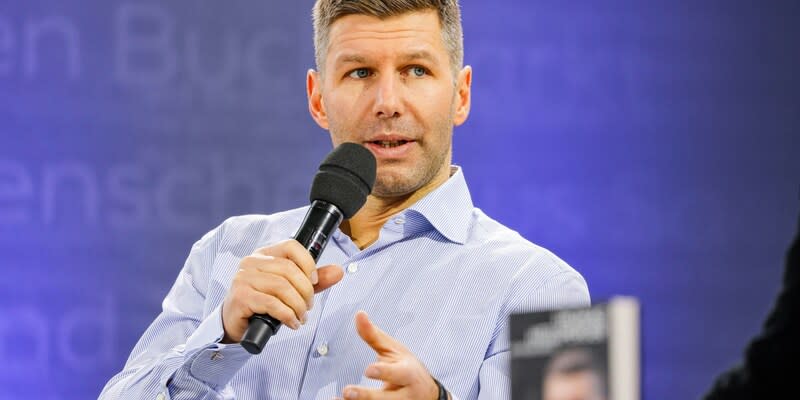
573 374
434 273
770 361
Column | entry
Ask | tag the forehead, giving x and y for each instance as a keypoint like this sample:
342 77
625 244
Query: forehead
371 36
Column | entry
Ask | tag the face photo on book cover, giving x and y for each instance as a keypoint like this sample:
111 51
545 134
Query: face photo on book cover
574 373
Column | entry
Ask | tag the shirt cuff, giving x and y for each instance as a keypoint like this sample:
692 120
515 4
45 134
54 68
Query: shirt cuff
212 362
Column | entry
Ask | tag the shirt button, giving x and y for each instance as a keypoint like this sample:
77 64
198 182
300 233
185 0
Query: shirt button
161 396
352 268
399 220
322 349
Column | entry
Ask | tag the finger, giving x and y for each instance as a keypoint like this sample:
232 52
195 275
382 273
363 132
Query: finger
380 341
260 303
287 269
279 287
398 373
362 393
293 250
329 275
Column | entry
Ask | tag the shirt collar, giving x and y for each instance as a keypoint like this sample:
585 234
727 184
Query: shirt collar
448 208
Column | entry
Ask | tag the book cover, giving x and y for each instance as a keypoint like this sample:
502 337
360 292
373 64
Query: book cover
590 353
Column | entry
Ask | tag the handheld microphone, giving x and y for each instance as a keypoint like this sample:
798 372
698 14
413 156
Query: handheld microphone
340 188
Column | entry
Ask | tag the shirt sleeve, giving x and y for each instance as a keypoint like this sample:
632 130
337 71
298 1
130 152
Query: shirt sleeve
179 355
565 289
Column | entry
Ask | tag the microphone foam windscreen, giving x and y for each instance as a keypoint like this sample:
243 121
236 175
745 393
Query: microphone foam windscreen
345 178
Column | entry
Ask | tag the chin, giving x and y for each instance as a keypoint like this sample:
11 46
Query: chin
391 185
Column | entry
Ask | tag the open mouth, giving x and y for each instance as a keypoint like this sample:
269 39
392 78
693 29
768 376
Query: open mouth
386 144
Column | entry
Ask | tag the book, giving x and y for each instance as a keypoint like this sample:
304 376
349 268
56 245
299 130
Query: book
590 353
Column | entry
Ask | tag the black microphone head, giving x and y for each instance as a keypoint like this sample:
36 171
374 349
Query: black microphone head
345 178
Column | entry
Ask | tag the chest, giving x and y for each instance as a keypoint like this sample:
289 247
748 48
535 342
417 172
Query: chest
435 297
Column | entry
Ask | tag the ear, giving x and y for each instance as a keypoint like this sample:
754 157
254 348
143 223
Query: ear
463 96
315 104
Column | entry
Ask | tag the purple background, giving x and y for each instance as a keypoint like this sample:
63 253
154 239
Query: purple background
652 145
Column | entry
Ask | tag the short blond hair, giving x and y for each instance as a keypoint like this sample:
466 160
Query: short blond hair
326 12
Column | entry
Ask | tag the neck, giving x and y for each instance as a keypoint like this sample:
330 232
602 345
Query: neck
364 227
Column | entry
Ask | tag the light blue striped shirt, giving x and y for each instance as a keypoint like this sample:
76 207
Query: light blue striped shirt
442 278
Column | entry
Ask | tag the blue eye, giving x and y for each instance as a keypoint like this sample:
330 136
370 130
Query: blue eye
360 73
418 71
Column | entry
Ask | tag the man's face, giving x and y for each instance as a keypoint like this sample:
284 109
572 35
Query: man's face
389 85
572 386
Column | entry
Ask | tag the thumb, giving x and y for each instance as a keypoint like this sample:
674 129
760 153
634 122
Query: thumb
329 275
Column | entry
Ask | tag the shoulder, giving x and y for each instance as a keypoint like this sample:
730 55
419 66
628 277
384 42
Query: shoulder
244 233
217 253
503 243
249 224
537 278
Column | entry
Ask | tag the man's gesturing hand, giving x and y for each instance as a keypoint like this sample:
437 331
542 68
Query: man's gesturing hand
278 280
403 376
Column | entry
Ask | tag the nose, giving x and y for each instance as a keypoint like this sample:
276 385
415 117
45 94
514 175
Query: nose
388 101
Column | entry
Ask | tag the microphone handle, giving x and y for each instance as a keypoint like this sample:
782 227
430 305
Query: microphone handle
320 222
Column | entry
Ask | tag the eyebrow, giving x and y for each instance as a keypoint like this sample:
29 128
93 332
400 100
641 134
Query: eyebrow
413 56
350 59
420 55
